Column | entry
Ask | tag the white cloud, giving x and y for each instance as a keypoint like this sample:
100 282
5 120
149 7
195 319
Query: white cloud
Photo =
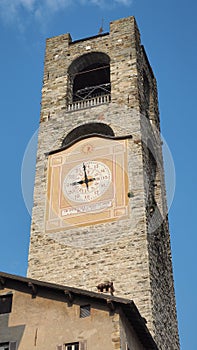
56 5
12 10
107 3
28 4
124 2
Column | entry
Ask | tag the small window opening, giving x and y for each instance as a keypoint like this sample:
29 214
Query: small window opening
146 86
5 304
4 346
151 171
84 311
72 346
8 346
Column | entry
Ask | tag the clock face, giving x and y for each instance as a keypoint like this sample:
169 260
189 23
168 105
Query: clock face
87 181
87 184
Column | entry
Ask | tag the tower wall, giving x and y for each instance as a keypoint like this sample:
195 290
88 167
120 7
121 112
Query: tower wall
133 252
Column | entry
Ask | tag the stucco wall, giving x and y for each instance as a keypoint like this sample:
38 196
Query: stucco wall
43 323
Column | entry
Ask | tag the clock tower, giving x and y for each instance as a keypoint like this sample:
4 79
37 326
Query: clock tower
100 211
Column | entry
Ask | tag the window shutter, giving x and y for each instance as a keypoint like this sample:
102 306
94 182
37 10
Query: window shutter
83 345
5 304
12 345
59 347
84 311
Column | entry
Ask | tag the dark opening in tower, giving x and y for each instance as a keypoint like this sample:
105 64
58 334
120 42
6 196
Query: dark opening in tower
88 129
89 77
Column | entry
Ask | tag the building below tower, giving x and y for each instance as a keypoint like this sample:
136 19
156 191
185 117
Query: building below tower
40 315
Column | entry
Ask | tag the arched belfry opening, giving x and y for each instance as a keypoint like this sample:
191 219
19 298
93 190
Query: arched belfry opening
89 78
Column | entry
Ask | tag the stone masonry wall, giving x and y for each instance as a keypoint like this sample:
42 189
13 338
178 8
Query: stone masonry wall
122 251
160 263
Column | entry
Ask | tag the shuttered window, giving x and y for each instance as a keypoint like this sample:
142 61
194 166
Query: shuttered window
84 311
5 304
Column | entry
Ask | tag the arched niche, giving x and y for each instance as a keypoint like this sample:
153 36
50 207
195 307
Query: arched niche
86 130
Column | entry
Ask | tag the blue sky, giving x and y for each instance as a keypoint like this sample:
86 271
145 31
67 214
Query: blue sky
168 32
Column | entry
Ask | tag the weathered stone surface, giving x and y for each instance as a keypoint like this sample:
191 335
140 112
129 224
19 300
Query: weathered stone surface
135 252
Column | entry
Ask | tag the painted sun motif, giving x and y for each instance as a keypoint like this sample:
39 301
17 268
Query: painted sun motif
87 148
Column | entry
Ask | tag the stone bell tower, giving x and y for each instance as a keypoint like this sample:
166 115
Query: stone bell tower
100 208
